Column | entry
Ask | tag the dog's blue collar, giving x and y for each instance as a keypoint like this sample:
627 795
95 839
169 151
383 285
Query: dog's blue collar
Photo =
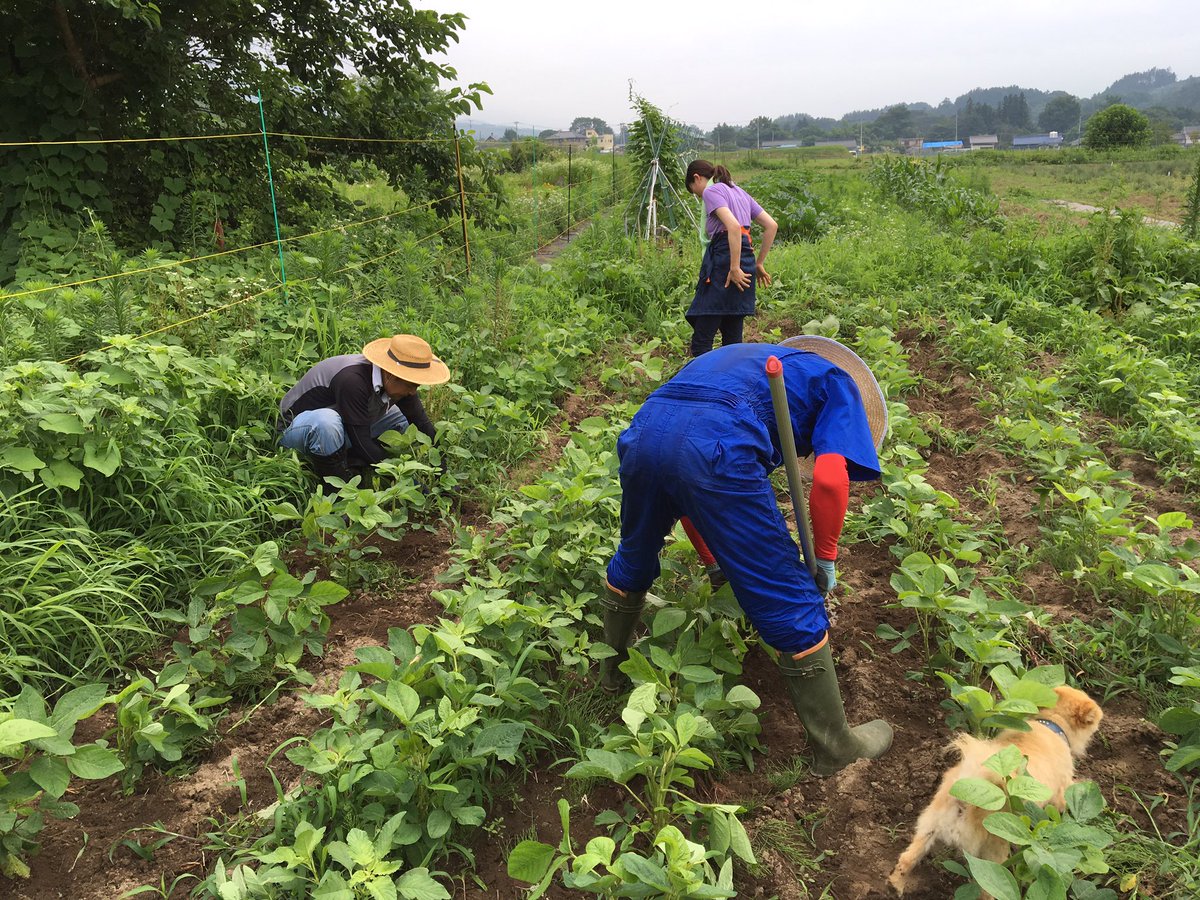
1054 726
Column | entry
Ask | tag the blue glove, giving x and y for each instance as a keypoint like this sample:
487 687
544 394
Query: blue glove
826 576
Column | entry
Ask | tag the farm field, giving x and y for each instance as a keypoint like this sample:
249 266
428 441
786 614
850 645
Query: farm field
247 689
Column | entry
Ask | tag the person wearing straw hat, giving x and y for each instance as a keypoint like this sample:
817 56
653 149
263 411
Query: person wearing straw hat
703 447
337 412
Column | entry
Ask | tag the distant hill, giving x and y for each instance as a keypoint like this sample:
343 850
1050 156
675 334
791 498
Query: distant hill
1154 87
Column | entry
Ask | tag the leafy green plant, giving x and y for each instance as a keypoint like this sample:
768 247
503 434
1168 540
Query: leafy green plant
252 626
674 868
38 759
1055 852
1184 722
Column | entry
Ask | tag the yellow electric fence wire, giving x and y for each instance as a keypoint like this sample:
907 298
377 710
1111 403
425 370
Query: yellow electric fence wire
255 296
220 137
324 137
147 140
183 262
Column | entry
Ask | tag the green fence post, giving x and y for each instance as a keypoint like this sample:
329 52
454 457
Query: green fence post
262 118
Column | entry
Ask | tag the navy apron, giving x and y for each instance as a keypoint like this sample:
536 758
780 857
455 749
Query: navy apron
712 297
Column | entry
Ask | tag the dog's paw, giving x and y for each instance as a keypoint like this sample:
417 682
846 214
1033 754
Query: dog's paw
898 880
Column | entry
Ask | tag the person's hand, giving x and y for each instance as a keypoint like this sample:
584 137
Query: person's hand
737 277
826 576
764 277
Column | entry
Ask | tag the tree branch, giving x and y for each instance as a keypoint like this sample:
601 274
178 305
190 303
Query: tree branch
74 53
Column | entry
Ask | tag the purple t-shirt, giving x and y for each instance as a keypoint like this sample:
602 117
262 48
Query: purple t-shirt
742 205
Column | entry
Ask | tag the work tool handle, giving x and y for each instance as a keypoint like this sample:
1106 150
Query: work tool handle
787 444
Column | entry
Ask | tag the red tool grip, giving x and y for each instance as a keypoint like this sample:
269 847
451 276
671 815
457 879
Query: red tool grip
774 367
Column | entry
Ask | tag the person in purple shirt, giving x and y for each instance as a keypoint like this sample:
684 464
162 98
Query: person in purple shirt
729 270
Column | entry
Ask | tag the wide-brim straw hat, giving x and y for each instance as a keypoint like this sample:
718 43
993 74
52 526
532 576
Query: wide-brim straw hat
407 357
850 362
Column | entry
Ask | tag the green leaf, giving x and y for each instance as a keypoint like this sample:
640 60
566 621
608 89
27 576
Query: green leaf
644 870
327 592
62 423
22 459
530 861
1179 720
51 775
978 792
739 841
667 620
78 704
20 731
1084 801
1010 827
1026 787
438 823
400 700
61 473
1005 761
744 698
698 674
719 832
417 884
1048 886
93 762
502 739
103 461
1041 695
994 878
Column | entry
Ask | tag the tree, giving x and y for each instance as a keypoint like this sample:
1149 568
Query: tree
76 69
976 118
1162 126
1117 126
1014 111
894 122
725 136
761 128
510 134
1061 114
583 123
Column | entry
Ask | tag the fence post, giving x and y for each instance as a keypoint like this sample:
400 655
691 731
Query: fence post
569 193
462 201
614 175
537 237
262 118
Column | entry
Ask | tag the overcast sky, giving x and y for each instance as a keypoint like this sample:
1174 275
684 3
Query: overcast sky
548 61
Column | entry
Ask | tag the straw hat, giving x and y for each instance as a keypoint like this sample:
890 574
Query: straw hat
847 360
408 357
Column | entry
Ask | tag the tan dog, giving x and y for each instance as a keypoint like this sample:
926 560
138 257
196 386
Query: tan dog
1051 750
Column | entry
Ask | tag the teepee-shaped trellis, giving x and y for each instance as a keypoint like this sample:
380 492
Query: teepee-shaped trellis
656 203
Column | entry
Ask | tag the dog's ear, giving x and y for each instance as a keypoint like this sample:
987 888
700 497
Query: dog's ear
1078 709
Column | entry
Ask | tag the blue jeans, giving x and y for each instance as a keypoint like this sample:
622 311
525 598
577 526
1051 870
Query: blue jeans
694 456
319 432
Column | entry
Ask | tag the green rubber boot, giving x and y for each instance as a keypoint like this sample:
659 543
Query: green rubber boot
812 684
621 615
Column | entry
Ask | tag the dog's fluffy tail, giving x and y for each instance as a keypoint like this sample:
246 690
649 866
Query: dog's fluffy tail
973 752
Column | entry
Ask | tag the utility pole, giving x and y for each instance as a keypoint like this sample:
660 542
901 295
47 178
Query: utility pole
758 131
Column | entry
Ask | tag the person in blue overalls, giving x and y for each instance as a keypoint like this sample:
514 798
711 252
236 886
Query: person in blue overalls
702 447
725 291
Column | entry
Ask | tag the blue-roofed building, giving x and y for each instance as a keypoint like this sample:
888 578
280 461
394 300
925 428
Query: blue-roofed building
941 146
1051 141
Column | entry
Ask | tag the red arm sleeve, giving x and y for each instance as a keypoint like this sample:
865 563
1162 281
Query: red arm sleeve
827 502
